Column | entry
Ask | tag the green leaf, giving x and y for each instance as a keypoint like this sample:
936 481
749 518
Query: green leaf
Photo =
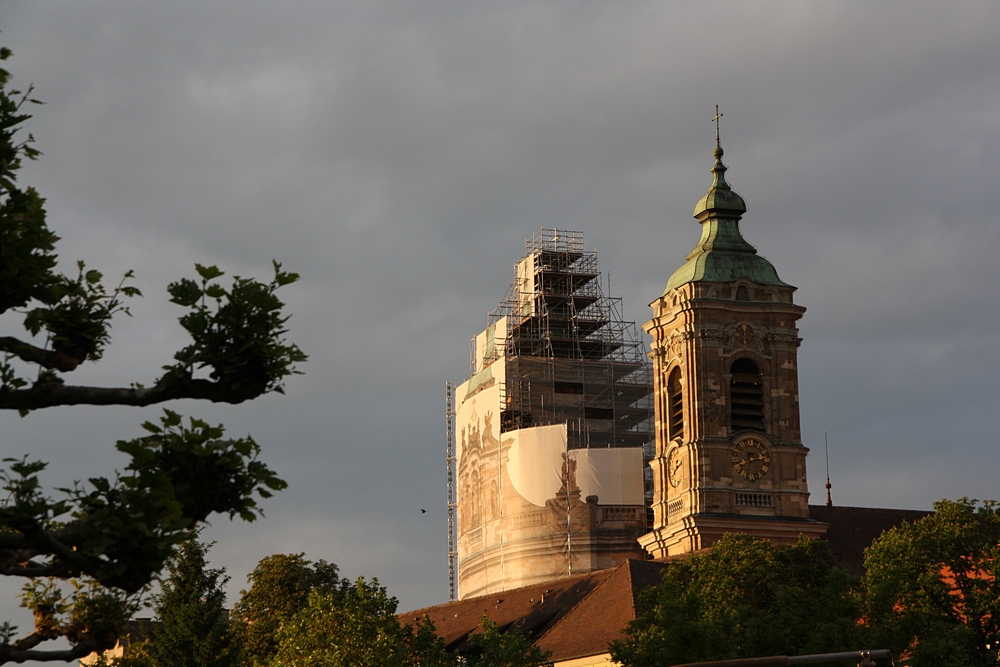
151 427
215 292
208 272
184 292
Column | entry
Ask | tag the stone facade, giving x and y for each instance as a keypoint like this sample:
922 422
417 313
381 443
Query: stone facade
729 455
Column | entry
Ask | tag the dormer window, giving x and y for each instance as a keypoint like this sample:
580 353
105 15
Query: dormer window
742 293
746 396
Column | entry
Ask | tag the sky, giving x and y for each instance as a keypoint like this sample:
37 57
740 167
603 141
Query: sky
397 154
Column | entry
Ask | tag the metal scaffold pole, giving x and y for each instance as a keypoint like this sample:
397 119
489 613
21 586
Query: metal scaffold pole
450 460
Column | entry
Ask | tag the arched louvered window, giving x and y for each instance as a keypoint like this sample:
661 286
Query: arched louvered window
746 396
675 405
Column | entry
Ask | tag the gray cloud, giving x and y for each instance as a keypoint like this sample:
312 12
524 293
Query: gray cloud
396 155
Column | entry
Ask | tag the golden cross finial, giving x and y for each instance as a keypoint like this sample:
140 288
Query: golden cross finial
716 120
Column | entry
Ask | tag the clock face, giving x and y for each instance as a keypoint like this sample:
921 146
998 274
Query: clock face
675 467
751 460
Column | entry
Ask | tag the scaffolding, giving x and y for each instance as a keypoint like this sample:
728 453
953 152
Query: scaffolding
452 505
556 352
571 358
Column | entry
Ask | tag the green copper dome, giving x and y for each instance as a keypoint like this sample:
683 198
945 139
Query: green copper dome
722 254
720 198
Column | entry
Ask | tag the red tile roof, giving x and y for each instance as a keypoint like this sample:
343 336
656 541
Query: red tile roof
532 609
600 618
579 616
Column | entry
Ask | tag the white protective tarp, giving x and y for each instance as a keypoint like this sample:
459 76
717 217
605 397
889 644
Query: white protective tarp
535 462
536 468
613 474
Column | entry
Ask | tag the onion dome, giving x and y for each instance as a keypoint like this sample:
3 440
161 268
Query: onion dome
720 198
722 254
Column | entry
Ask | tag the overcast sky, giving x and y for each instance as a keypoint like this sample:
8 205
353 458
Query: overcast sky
396 155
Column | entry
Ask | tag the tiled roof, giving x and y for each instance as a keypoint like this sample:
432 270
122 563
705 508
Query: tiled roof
579 616
532 609
570 617
600 618
852 529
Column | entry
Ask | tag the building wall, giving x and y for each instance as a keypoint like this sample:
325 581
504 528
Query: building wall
551 428
701 328
530 509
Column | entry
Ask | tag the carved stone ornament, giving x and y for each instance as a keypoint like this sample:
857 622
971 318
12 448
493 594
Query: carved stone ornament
786 341
675 345
743 336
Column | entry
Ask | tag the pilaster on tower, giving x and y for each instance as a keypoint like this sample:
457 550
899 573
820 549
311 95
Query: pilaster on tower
729 455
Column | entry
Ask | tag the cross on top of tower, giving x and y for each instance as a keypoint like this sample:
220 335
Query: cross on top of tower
715 119
718 145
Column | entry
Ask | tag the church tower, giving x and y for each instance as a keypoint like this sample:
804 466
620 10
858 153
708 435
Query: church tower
729 456
553 425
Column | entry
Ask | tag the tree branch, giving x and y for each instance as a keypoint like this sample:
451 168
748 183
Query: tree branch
36 571
49 394
49 543
51 359
12 541
84 648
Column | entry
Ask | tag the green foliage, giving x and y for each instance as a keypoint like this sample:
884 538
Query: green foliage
89 612
425 647
931 589
206 472
353 626
744 598
192 628
27 246
122 531
79 320
504 649
108 538
240 336
74 313
303 614
280 588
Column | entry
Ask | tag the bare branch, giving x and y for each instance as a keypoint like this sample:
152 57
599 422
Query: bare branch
49 394
51 359
32 570
12 541
84 648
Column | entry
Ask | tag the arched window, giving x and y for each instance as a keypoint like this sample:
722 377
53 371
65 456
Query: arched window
675 405
746 396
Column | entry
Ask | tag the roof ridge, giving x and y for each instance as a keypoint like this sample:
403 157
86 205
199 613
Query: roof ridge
631 578
859 507
562 581
586 597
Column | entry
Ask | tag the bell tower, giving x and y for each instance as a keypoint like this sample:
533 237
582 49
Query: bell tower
729 455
